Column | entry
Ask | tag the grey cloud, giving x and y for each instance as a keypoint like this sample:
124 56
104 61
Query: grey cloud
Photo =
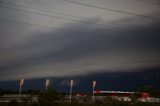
30 52
64 53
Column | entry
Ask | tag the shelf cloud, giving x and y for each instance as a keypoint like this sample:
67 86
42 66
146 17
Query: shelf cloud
76 47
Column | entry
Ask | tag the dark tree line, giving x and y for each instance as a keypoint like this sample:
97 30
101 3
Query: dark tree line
151 90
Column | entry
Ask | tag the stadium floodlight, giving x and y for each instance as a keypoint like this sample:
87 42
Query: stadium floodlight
47 83
94 85
21 83
71 86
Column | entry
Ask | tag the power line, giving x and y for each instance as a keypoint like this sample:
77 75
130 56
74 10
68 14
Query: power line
33 12
53 12
46 13
53 16
114 10
41 10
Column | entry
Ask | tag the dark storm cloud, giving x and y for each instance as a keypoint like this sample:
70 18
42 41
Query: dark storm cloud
90 49
97 46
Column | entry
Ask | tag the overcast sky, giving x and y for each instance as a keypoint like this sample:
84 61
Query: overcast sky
56 38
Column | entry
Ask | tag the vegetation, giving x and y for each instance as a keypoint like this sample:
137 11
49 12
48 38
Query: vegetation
149 89
96 103
30 91
49 97
52 98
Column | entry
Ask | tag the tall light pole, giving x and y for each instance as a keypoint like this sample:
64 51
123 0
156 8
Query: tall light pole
47 83
94 85
21 83
71 86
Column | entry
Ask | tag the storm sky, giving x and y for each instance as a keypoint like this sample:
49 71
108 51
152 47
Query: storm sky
57 38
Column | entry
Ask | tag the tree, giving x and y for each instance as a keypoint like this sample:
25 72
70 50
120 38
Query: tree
149 89
49 97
